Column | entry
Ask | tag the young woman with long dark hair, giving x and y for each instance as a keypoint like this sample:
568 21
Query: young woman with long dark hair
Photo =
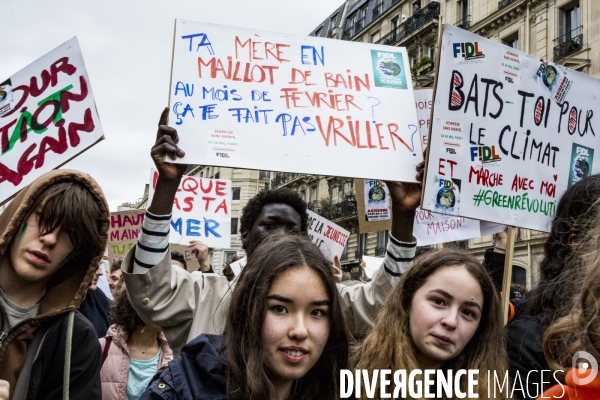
285 335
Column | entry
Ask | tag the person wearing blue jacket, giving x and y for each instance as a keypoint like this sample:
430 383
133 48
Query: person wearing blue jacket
285 335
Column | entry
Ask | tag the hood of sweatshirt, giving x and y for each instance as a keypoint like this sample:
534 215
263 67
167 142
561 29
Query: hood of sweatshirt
68 286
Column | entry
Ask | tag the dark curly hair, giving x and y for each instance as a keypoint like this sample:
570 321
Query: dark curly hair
561 269
123 314
272 196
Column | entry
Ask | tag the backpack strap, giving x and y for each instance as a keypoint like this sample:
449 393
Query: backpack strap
107 342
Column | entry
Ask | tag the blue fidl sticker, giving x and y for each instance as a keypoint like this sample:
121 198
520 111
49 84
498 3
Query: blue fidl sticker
447 199
388 69
580 166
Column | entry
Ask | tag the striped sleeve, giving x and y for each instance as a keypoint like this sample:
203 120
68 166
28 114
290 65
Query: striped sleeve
398 257
153 242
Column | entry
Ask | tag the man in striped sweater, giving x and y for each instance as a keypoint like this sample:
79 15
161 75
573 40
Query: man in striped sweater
187 304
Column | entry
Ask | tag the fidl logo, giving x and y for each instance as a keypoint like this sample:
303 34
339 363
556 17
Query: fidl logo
468 50
222 155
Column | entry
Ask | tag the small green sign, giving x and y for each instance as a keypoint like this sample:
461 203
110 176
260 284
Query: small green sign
388 69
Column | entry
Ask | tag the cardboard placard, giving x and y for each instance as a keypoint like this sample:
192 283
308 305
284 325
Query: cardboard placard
123 233
201 210
361 209
509 133
327 236
47 117
261 100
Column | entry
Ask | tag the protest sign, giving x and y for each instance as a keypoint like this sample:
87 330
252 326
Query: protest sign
362 204
328 237
510 132
423 100
260 100
47 117
201 210
123 233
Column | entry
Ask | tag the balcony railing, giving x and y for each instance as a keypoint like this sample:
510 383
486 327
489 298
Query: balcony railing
464 23
569 43
282 178
313 206
346 208
504 3
429 12
379 251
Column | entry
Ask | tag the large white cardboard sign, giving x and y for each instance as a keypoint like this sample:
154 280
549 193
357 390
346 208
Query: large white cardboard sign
201 210
329 237
47 117
510 132
262 100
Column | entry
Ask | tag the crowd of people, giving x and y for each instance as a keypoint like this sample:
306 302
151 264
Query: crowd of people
288 325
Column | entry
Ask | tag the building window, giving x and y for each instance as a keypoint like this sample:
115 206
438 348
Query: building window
570 35
234 226
519 275
413 61
313 193
303 195
428 51
569 22
375 37
318 31
331 23
235 193
264 175
335 195
347 188
228 256
465 19
377 8
512 40
362 244
382 238
217 175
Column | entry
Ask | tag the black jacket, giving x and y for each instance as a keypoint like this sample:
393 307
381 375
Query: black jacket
525 336
46 380
198 373
96 308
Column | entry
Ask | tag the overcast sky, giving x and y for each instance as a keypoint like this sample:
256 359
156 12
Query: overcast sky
126 46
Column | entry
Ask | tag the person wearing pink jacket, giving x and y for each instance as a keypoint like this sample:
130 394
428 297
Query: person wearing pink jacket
132 352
